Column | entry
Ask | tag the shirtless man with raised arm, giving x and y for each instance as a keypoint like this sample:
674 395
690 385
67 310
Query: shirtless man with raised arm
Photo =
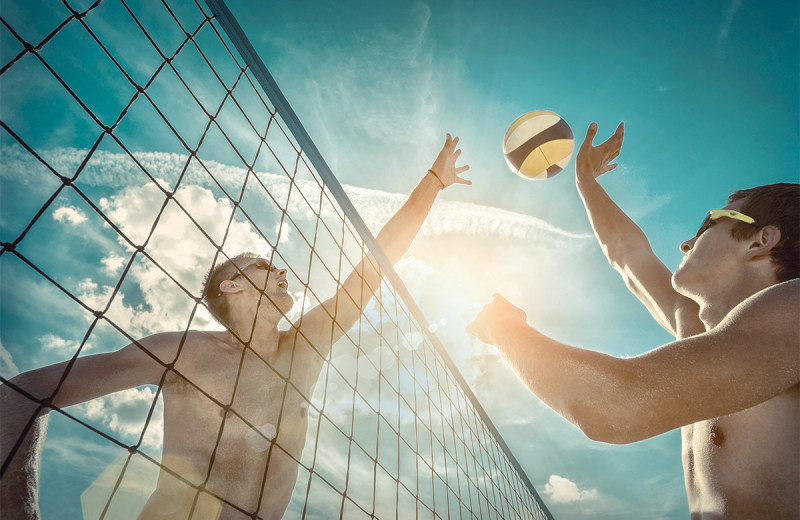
219 419
730 381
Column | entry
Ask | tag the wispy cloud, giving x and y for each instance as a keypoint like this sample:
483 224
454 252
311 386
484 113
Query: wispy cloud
8 368
60 346
727 22
368 77
382 88
77 457
462 218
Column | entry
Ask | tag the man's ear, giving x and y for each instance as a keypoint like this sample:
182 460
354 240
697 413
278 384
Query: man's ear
762 243
229 286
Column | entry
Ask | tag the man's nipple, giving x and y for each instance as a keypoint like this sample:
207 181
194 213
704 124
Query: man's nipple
717 435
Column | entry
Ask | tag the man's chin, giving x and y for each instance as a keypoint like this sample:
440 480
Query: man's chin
682 285
285 303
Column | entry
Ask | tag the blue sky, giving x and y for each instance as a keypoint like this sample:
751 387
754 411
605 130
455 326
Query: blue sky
708 92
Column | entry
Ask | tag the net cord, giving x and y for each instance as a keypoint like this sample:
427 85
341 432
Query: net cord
259 70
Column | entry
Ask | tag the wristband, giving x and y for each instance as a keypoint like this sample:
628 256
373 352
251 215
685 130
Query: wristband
437 178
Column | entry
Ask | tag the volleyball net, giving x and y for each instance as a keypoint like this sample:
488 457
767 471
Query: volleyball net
143 142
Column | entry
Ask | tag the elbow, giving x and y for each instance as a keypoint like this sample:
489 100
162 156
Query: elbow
18 397
614 422
610 254
613 403
617 261
605 431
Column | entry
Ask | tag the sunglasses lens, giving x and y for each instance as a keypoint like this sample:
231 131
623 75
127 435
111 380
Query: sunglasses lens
704 226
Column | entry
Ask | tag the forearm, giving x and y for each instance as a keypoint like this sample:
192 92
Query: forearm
629 253
38 385
326 323
394 240
25 402
88 377
587 388
398 233
22 431
617 234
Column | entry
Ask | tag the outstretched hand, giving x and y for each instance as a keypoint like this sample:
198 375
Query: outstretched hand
444 167
492 315
594 161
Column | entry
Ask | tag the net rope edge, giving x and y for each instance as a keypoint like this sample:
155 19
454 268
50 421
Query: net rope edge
262 75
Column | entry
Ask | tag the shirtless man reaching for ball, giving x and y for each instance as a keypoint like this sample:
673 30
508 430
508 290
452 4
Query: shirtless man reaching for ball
730 381
218 419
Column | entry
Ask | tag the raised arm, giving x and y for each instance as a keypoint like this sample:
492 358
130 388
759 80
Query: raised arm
752 356
24 419
625 244
326 323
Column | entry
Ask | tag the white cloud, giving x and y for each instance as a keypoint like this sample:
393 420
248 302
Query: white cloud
415 273
60 346
112 263
68 214
8 368
563 491
125 412
177 245
375 207
468 220
96 297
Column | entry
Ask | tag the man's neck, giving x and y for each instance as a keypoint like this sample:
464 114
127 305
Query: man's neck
712 315
262 336
715 308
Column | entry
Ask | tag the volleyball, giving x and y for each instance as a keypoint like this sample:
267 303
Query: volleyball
538 145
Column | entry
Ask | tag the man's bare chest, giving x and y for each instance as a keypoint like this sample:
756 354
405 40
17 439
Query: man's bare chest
774 422
727 459
236 396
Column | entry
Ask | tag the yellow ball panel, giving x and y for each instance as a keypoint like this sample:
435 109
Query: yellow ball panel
556 151
535 165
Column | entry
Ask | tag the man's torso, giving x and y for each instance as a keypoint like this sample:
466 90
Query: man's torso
746 464
228 405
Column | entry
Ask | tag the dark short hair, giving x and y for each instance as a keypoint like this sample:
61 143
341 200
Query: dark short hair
774 205
216 301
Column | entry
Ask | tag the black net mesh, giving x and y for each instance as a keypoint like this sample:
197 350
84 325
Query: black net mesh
138 150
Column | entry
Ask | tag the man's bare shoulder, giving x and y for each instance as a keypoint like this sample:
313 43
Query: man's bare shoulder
167 347
767 320
781 300
190 354
787 289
